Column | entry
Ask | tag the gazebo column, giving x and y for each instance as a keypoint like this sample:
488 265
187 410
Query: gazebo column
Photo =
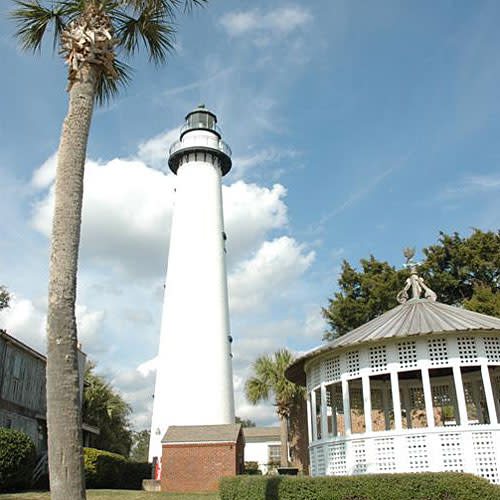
488 391
309 420
396 400
367 402
459 388
429 407
314 416
347 406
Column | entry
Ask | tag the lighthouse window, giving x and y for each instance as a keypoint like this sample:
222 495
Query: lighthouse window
203 120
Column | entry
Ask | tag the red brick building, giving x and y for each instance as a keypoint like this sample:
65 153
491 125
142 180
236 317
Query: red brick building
194 458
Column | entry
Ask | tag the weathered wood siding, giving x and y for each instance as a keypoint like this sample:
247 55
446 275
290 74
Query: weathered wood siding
23 379
22 392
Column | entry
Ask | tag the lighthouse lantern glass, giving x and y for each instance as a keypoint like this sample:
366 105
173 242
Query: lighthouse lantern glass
201 119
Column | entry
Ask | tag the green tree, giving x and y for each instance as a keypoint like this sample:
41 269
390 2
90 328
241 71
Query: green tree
244 422
140 446
105 408
267 382
463 271
90 35
4 297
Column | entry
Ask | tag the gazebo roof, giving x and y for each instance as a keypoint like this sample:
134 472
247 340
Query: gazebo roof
417 316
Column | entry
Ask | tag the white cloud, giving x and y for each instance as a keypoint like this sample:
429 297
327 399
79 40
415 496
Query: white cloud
24 321
44 175
244 164
471 185
280 21
267 275
154 151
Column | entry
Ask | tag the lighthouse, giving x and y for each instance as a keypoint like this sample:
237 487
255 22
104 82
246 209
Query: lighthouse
194 382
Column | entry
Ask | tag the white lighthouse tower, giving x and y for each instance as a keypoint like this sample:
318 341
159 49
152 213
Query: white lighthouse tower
194 383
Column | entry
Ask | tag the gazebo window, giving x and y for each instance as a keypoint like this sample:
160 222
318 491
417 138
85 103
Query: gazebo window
444 397
413 413
317 393
381 403
357 406
475 398
335 409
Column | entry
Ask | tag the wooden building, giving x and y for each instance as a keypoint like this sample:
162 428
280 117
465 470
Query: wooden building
22 391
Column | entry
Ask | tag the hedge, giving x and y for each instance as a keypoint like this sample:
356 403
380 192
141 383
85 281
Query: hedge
423 486
17 459
104 469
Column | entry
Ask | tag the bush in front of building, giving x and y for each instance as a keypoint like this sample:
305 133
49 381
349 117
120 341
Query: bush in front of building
17 459
422 486
104 469
252 469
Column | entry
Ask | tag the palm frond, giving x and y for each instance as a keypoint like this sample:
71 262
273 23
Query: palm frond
32 21
150 27
168 7
109 85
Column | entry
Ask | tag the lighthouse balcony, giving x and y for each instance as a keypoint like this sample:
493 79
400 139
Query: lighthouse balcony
201 142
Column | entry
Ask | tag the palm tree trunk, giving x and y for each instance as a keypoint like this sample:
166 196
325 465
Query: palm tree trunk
67 480
284 441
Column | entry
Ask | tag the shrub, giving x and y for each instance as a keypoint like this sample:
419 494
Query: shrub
104 469
252 469
424 486
17 459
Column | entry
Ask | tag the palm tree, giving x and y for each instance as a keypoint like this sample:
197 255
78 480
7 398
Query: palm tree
90 35
269 381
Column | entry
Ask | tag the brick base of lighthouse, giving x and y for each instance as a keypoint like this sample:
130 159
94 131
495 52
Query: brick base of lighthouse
197 466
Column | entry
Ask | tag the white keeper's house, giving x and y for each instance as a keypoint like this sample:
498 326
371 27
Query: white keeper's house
415 389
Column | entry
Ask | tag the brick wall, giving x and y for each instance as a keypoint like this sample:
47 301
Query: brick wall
198 467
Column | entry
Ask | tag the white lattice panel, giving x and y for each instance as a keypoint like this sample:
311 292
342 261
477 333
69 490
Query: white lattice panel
438 351
385 455
407 354
467 349
337 464
320 461
451 451
418 453
485 456
359 450
378 358
312 457
332 369
314 378
492 348
353 362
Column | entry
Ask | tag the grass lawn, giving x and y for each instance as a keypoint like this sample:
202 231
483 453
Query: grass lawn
115 495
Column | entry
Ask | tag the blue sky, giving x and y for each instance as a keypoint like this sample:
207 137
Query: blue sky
356 127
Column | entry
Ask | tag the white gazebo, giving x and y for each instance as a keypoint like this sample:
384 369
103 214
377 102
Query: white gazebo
415 389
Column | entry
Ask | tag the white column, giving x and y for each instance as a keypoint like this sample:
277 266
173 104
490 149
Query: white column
488 391
347 406
367 402
309 420
429 407
324 417
314 416
396 400
459 389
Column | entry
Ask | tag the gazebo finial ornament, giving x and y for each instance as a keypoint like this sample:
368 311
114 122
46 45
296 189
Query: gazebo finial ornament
415 282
